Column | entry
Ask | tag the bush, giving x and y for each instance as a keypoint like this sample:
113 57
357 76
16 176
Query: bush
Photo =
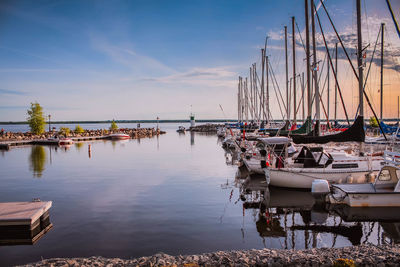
79 129
114 126
373 122
64 131
36 119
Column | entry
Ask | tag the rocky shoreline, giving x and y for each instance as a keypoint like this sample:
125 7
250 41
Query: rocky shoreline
206 128
363 255
135 133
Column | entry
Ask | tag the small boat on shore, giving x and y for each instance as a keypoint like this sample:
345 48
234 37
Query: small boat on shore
384 192
119 136
181 129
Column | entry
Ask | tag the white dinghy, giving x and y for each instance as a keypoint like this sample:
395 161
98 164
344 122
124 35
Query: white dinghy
384 192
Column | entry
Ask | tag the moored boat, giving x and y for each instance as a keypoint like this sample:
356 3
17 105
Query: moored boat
181 129
314 163
65 141
119 136
384 192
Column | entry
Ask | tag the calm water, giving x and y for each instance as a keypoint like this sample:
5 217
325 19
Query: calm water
178 194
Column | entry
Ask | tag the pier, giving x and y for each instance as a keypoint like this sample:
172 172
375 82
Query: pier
6 145
24 222
23 139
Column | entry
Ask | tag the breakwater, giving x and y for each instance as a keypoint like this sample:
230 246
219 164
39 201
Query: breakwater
206 128
363 255
8 139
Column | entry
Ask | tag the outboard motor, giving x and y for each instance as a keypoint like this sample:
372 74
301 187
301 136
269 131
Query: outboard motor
319 189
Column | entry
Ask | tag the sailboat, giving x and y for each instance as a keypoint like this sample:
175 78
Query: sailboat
316 163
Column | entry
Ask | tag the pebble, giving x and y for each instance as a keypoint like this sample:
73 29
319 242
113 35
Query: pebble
383 255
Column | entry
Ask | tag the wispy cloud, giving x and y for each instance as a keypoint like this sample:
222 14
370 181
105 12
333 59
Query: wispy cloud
125 55
210 77
11 92
30 70
349 38
12 107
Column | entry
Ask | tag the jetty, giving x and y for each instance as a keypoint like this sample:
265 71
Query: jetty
9 139
24 223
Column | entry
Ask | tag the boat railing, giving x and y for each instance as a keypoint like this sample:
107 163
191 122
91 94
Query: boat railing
392 158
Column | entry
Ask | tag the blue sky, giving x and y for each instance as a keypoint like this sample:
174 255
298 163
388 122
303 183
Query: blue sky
96 60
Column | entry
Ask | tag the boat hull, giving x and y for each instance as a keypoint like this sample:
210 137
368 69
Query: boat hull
303 178
119 136
370 200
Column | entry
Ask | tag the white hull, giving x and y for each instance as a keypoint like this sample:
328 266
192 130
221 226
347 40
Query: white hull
303 178
119 136
370 200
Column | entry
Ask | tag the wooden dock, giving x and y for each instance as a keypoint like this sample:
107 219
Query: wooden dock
6 145
24 222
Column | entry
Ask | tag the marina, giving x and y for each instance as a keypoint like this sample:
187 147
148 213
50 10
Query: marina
227 209
269 140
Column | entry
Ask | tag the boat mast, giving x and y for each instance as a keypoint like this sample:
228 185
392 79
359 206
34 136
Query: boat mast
382 37
315 77
393 17
336 73
294 71
267 87
359 61
309 108
262 106
287 79
302 96
328 89
238 100
251 95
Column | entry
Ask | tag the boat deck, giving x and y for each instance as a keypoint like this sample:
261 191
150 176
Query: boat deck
364 189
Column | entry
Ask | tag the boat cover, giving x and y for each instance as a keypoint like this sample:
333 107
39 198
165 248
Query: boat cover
354 133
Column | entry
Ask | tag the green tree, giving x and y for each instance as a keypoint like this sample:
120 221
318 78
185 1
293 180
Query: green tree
79 129
36 119
64 131
114 126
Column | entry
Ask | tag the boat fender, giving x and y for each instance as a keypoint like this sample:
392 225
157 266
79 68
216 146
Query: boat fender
349 179
243 149
319 189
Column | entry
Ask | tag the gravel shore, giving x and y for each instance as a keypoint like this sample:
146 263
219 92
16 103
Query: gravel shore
363 255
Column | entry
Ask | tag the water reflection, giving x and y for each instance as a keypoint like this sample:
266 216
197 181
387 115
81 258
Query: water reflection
78 145
37 160
295 219
192 138
231 157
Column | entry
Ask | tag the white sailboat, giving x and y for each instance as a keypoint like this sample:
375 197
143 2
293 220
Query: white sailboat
315 163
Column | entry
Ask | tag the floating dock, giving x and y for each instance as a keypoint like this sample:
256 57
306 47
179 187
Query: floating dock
24 223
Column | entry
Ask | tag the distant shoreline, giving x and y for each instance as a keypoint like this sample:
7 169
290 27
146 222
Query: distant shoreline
118 121
160 121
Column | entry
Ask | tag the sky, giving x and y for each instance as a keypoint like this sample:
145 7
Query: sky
127 59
